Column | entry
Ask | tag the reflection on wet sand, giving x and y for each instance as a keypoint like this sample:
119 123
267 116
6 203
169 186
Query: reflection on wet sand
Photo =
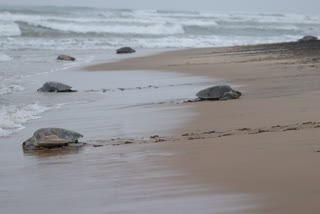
43 153
111 179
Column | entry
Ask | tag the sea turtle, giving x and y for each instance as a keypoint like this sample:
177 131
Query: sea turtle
55 87
125 50
308 39
66 58
220 92
51 138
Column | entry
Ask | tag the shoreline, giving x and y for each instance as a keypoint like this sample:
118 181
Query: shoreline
105 179
280 88
147 147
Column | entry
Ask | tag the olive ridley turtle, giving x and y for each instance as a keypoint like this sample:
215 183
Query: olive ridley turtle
219 92
51 138
125 50
55 87
66 58
308 39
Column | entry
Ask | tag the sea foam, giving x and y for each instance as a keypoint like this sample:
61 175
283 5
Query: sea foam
12 87
14 117
9 29
4 57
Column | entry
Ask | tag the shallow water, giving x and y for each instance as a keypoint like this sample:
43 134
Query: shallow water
21 76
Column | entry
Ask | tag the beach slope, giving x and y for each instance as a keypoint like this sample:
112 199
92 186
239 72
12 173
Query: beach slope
267 142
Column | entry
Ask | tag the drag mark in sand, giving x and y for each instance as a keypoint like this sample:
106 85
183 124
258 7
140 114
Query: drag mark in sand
104 90
205 135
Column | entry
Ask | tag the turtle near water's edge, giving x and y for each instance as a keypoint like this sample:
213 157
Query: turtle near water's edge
220 92
55 87
125 50
51 138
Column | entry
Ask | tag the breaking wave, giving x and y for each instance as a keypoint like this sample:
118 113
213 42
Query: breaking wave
102 28
46 27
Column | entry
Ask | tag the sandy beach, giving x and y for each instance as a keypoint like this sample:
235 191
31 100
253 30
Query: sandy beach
148 145
265 143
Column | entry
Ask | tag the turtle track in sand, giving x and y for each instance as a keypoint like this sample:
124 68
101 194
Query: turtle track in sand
147 87
211 134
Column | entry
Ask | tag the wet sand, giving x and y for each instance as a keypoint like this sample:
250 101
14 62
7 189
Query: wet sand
109 179
106 179
264 144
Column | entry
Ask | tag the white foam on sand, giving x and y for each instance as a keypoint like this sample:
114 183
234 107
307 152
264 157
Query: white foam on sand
12 87
14 117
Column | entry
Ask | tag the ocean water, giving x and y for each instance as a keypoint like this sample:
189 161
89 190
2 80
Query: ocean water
87 28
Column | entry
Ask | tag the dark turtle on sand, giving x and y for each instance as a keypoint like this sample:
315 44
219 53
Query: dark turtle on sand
125 50
55 87
51 138
66 58
308 39
220 92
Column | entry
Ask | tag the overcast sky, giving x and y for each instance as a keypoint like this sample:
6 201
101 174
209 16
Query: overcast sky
289 6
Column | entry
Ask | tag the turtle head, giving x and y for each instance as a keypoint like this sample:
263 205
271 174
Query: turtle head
231 95
237 94
28 144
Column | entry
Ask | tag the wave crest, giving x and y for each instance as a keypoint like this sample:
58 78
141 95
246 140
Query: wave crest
156 29
81 28
9 29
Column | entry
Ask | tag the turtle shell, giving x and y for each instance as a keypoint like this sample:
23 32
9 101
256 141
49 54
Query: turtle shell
55 87
214 93
125 50
54 137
